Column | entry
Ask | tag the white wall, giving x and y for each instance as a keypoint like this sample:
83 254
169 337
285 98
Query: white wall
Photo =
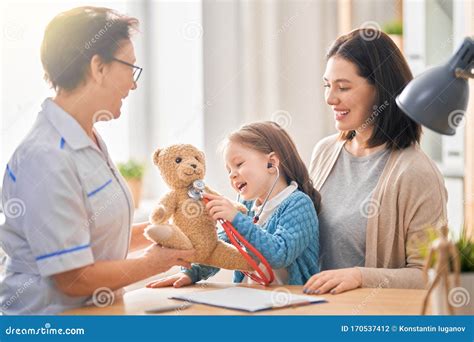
168 107
433 31
263 61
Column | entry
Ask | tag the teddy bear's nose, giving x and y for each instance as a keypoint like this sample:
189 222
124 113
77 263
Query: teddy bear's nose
194 166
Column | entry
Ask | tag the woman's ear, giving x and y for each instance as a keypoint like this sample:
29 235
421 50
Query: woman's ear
97 69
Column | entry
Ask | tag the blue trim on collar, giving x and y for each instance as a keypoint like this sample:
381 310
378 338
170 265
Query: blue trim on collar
61 143
67 127
11 174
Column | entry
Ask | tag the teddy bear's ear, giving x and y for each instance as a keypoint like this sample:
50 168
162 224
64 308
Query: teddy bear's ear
201 157
156 155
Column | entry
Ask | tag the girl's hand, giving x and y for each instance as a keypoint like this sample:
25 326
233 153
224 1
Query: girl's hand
335 281
175 280
220 207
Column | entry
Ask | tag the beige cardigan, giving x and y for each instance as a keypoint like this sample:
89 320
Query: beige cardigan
412 198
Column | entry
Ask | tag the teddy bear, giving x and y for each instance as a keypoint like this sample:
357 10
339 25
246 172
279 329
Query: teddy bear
192 227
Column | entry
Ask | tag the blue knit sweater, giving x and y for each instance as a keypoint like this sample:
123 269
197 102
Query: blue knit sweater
289 239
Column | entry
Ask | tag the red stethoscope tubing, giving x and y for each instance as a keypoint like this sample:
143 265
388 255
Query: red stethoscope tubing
239 242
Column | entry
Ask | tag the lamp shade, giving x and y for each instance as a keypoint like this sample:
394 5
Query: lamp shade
437 99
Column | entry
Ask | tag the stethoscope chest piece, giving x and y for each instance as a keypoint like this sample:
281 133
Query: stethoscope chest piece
196 190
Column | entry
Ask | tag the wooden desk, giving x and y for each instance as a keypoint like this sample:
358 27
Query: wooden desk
356 302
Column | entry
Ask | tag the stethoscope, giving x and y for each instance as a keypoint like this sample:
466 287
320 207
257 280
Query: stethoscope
196 192
256 218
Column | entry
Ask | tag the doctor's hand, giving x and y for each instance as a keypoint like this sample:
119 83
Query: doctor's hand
161 259
334 281
220 207
175 280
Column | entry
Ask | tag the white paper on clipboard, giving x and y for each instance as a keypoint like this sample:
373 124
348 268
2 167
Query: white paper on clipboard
247 299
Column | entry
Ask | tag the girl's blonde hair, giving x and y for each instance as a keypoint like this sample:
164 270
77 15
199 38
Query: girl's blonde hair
267 137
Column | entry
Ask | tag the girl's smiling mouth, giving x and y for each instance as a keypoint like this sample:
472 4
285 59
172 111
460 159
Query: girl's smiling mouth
241 186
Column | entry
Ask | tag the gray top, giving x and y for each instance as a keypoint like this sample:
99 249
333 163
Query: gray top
346 204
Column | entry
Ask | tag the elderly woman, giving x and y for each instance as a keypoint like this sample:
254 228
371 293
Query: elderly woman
76 228
380 192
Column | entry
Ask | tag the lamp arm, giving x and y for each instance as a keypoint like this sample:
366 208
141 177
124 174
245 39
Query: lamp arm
465 73
463 60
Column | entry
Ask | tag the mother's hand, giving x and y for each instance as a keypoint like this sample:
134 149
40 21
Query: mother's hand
335 281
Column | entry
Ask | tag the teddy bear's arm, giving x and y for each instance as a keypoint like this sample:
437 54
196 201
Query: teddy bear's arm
164 209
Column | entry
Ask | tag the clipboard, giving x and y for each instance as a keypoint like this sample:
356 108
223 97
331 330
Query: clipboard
248 299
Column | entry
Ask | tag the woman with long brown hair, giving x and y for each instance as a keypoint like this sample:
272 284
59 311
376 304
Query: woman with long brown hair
380 191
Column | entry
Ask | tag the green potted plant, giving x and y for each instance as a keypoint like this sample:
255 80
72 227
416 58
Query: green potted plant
465 247
460 297
133 171
394 29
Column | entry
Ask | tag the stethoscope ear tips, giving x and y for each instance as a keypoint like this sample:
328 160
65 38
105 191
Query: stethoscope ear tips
269 165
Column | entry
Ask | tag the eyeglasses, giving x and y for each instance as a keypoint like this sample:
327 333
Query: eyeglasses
136 69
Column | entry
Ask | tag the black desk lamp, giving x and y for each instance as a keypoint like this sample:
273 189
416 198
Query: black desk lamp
437 99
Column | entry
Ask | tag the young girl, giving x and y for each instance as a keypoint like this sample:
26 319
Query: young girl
262 162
